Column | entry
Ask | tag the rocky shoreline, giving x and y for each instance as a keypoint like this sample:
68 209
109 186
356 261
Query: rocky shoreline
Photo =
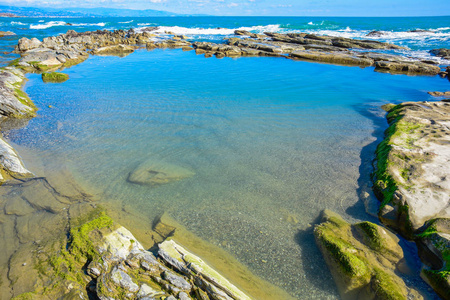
98 257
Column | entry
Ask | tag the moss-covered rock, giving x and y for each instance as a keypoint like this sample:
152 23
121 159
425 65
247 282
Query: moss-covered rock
54 77
434 250
362 258
411 166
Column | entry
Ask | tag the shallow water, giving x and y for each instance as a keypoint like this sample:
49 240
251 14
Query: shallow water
271 141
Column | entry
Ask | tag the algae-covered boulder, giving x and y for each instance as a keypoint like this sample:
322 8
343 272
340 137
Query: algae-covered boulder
362 259
434 249
54 77
156 172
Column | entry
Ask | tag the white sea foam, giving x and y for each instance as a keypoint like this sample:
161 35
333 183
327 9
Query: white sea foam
89 24
17 23
210 31
47 25
126 22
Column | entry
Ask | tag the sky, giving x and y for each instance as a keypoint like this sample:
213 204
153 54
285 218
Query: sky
263 7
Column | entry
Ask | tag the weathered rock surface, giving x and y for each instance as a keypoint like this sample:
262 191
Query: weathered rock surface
119 267
407 67
434 249
13 101
156 172
442 52
412 180
10 163
68 49
362 258
439 94
114 50
6 33
413 166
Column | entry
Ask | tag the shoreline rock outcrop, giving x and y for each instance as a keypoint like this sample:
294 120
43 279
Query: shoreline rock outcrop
363 259
412 180
102 259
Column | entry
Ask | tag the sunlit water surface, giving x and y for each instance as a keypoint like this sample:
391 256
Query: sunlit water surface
272 143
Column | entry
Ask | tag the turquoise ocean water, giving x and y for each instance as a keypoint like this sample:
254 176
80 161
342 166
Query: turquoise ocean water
272 141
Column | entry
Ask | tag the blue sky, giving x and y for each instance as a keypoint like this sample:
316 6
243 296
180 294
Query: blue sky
264 7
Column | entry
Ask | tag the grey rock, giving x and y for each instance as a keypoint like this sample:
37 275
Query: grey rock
407 67
12 102
183 296
27 44
147 291
124 280
176 280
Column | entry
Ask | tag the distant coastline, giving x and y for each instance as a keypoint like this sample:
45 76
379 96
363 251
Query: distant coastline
9 15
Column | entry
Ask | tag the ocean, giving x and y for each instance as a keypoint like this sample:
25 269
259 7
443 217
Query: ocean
272 142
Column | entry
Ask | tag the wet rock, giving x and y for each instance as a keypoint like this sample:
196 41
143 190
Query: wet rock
407 67
114 50
187 262
362 258
155 173
335 58
376 33
420 31
442 52
434 250
54 77
439 94
6 33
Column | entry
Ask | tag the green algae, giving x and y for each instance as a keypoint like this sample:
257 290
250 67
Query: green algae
371 234
386 288
80 244
54 77
349 263
24 296
440 281
399 133
360 258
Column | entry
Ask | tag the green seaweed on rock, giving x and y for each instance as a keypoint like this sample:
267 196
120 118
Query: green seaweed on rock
54 77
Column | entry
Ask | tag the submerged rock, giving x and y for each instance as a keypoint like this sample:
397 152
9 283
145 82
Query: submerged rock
153 172
362 258
54 77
